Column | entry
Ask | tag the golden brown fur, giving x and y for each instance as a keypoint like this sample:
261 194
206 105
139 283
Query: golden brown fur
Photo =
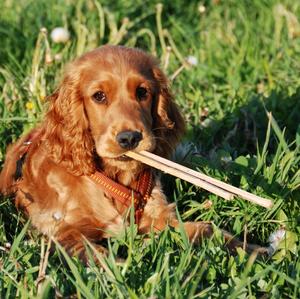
78 136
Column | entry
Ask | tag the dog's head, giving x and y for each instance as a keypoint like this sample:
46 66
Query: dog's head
112 100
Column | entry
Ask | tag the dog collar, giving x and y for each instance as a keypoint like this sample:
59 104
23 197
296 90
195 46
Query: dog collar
139 196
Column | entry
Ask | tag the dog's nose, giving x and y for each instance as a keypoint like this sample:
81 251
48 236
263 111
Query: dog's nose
129 139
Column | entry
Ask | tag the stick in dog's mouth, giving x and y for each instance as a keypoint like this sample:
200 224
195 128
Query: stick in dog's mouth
199 179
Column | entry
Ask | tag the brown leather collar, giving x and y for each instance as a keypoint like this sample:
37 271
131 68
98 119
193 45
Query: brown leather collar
139 196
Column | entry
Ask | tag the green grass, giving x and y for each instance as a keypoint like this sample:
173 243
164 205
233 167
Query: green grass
242 106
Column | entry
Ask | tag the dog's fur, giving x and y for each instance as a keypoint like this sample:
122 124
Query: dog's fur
78 136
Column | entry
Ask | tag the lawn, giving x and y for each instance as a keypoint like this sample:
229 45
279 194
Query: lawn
240 96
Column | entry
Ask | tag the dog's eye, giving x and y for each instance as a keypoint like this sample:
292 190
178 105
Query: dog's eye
99 97
141 93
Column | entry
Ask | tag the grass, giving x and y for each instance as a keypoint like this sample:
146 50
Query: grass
241 103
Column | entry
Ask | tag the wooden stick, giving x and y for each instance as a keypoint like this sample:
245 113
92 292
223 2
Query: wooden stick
199 179
267 203
180 174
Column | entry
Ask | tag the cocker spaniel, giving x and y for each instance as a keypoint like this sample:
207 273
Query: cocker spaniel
70 174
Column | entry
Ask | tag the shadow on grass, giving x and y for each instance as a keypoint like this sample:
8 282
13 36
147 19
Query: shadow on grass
239 134
239 131
11 220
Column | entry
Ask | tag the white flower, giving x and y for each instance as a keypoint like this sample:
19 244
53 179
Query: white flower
60 35
7 245
277 236
192 60
274 239
201 8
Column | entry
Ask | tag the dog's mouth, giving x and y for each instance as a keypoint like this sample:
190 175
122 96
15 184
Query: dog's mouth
124 158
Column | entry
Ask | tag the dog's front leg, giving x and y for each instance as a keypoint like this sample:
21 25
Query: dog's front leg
73 239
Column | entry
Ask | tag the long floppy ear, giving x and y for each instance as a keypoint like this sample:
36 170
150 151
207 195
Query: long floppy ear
67 136
169 124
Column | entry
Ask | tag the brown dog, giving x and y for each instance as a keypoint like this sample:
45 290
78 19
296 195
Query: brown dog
70 174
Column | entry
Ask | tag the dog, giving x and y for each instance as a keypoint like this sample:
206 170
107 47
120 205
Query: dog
70 174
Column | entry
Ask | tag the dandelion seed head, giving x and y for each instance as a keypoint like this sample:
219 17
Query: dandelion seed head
192 60
7 245
60 35
277 236
275 239
202 8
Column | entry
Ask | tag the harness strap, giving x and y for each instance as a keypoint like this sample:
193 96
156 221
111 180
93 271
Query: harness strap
22 150
125 195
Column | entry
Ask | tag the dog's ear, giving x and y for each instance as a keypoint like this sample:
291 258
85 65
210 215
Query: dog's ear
169 124
67 129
